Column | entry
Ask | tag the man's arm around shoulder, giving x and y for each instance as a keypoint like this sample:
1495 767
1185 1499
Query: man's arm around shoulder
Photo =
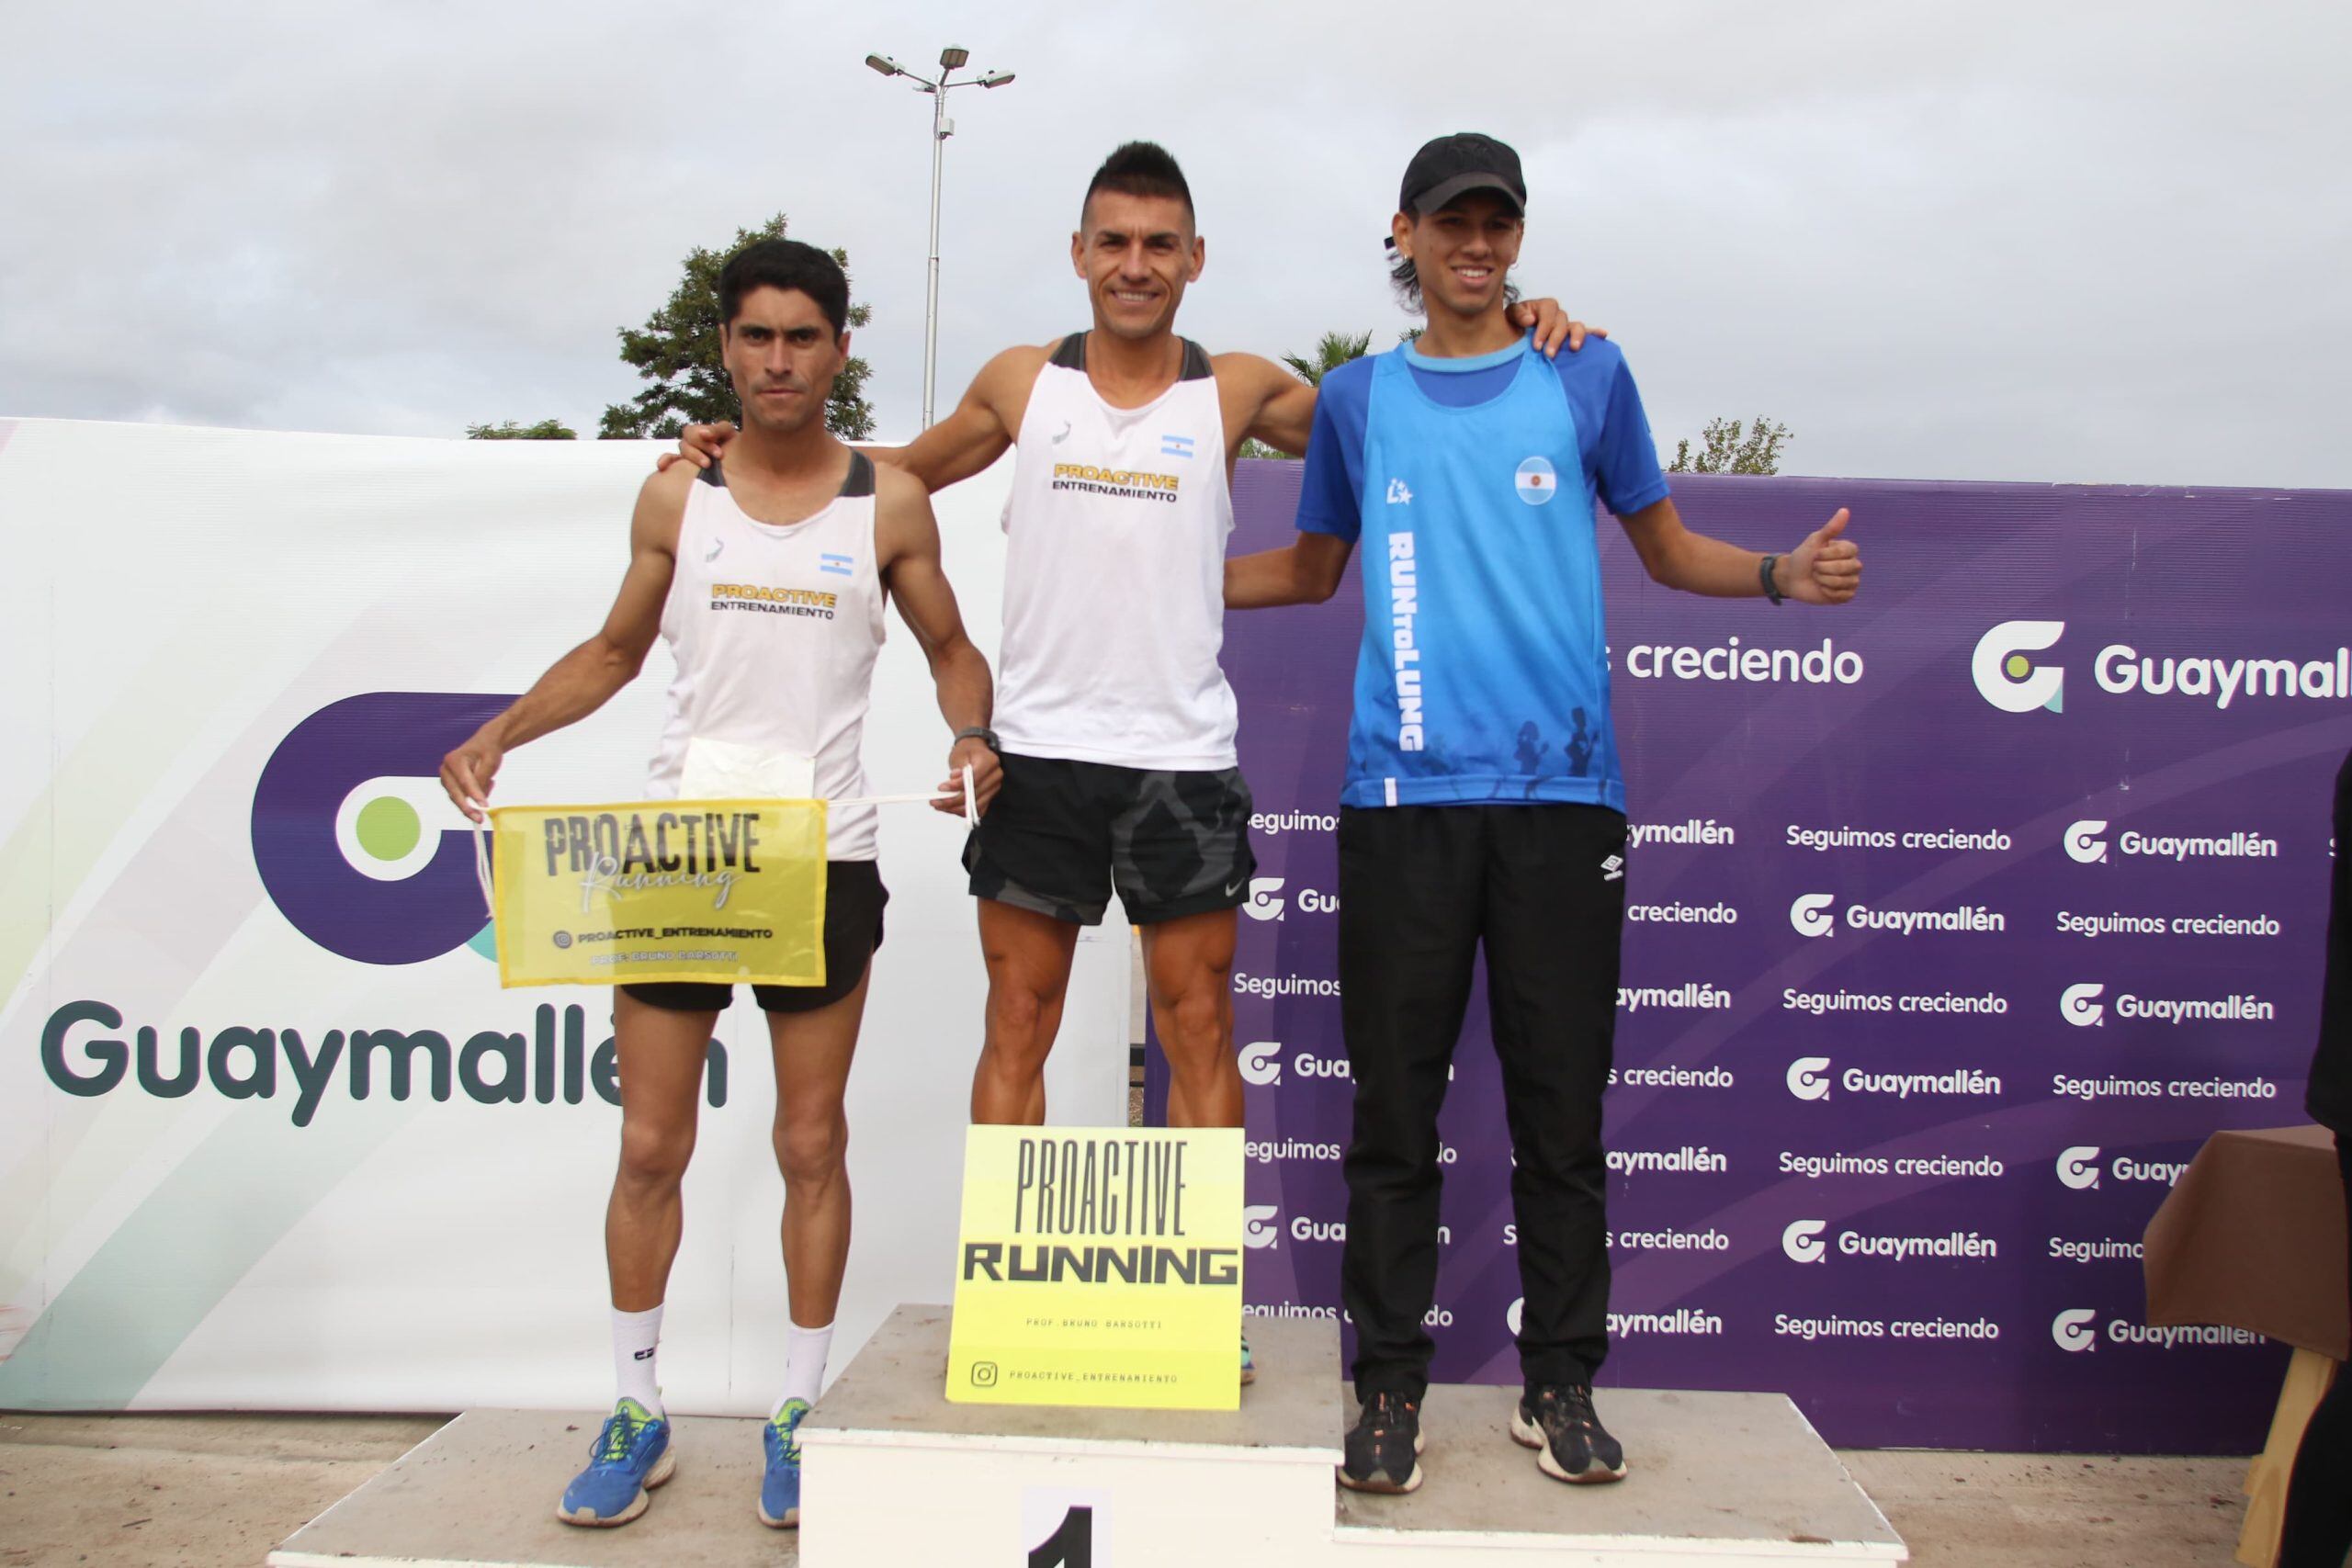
975 434
978 430
1275 407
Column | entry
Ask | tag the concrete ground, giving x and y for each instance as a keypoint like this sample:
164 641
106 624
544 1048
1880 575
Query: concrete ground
1960 1510
220 1491
119 1491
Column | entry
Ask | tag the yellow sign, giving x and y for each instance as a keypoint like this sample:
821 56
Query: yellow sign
711 890
1098 1266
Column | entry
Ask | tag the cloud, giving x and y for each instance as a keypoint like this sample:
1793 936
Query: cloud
1999 241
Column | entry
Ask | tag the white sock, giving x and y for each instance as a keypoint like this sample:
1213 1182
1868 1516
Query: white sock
804 1364
636 1336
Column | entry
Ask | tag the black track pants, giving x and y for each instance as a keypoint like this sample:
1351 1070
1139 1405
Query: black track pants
1421 887
2318 1532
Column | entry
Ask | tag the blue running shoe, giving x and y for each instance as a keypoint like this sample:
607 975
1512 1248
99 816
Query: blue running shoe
780 1487
632 1456
1249 1367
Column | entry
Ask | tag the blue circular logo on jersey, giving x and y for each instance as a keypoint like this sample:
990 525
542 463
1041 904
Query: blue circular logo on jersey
1537 481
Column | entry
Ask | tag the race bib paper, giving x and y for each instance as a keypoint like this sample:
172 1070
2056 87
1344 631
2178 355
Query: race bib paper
1098 1266
705 890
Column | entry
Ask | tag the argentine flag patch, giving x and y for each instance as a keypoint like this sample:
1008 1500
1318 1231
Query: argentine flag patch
1537 483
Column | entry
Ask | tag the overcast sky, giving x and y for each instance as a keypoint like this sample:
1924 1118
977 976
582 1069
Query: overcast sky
2030 241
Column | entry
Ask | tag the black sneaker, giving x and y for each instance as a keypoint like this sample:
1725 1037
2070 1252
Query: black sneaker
1383 1448
1569 1441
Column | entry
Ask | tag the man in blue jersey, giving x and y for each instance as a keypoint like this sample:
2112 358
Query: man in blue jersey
1483 803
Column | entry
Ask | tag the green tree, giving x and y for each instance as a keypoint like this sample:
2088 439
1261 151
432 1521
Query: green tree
1332 351
677 352
507 430
1335 350
1733 449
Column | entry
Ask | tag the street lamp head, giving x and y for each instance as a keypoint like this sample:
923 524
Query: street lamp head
889 67
952 57
996 78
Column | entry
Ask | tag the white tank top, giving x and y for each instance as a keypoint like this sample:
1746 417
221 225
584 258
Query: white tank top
774 629
1115 574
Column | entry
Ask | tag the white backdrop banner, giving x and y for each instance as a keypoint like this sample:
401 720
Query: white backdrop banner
271 1135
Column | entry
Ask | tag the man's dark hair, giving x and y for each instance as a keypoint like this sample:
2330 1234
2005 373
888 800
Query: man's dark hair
1141 168
1405 276
783 264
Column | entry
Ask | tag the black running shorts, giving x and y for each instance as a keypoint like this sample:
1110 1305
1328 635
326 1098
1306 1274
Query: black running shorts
854 900
1061 833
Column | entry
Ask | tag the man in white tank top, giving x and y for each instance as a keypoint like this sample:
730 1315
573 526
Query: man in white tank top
1114 721
769 589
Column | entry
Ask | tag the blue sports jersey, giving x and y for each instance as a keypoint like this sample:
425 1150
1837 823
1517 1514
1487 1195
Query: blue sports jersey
1484 674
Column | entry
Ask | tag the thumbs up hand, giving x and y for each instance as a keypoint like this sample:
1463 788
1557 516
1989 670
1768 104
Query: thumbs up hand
1827 568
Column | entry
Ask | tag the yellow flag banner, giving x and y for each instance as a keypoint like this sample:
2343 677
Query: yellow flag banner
709 890
1098 1266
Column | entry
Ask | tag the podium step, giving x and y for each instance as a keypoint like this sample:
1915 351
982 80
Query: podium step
1716 1479
894 1394
895 1473
906 1476
481 1492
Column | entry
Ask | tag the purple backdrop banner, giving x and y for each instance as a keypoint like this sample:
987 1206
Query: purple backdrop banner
1957 919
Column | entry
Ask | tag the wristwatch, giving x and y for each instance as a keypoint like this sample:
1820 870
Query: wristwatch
1764 575
981 733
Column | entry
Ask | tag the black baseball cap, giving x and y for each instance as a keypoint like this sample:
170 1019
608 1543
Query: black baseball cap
1452 165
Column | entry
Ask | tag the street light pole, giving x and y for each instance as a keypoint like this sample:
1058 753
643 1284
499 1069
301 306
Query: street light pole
940 129
951 60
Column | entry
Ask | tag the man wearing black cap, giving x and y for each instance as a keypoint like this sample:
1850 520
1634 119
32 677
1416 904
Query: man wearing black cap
1483 803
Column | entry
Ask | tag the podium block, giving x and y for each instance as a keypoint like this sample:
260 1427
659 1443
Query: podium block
907 1477
481 1492
895 1473
1717 1480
